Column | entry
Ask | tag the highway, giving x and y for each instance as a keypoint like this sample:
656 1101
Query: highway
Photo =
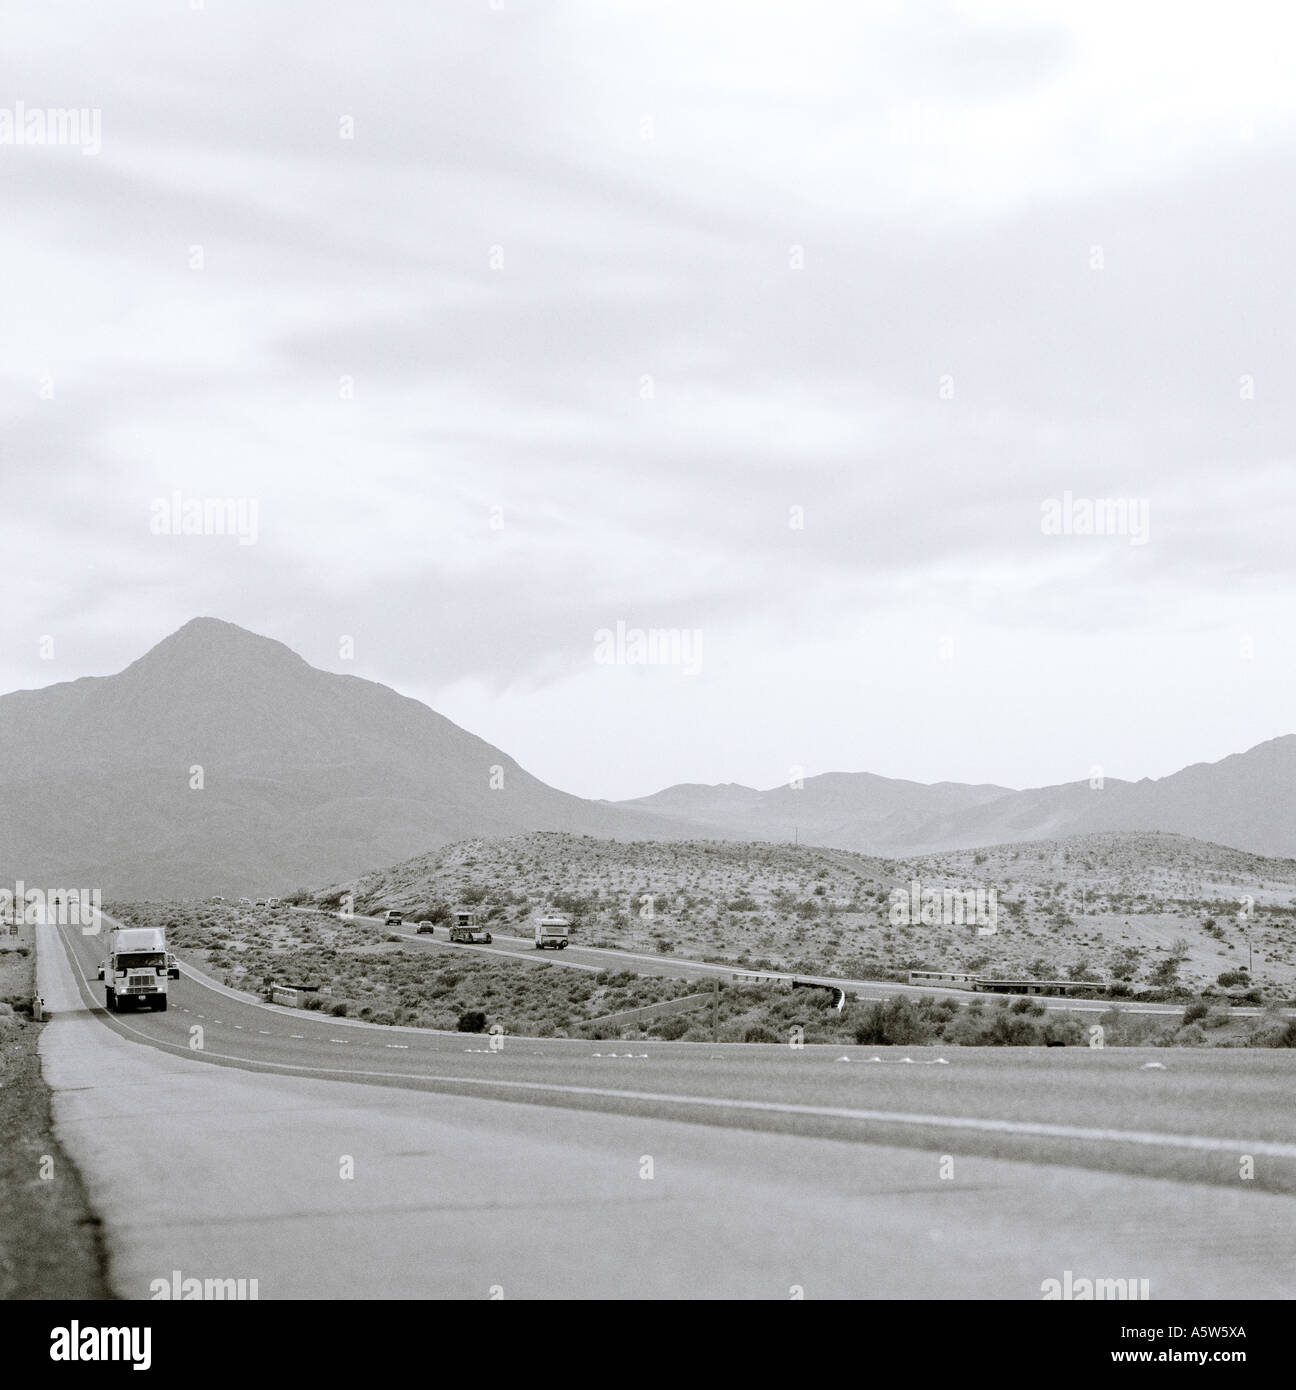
600 958
1093 1142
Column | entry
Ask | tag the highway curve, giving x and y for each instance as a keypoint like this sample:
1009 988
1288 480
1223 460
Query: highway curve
1075 1124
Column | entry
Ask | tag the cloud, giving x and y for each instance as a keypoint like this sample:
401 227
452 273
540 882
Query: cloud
777 320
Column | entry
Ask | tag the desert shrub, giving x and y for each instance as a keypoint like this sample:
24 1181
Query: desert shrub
471 1021
1166 974
1191 1036
338 1008
1122 1029
1195 1011
1069 1032
671 1028
997 1027
896 1021
1175 995
1277 1032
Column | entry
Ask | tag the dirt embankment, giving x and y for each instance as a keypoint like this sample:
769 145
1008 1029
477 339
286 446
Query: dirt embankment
50 1244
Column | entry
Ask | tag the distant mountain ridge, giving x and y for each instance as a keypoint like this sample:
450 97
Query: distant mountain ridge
222 762
1246 801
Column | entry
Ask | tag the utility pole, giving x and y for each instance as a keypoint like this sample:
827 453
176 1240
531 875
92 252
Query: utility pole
715 1008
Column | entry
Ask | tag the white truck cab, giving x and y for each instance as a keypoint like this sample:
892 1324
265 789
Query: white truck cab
138 966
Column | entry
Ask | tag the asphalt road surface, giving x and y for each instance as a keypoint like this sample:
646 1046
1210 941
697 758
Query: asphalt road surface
971 1172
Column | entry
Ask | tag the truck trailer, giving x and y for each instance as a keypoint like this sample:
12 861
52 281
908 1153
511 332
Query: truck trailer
137 967
552 932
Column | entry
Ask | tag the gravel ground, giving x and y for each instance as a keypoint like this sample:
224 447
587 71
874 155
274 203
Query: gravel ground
49 1238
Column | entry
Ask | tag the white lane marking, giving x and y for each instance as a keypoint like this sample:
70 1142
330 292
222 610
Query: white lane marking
1024 1128
301 1037
265 1032
1198 1143
237 1025
404 1046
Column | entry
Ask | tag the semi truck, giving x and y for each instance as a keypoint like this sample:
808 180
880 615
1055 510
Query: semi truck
138 967
552 933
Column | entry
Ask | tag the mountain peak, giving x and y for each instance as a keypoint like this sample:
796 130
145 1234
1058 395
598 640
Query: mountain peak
204 640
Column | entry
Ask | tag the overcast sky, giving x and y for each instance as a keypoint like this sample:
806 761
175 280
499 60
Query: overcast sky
780 324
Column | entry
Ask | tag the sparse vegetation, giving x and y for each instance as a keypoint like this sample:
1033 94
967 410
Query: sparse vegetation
1147 914
1119 907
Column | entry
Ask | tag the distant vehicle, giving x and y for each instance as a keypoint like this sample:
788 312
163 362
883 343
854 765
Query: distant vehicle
261 902
470 935
393 918
218 900
137 967
552 933
272 902
245 902
426 926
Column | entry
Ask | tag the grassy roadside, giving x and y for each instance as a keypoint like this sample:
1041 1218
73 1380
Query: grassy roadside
50 1244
